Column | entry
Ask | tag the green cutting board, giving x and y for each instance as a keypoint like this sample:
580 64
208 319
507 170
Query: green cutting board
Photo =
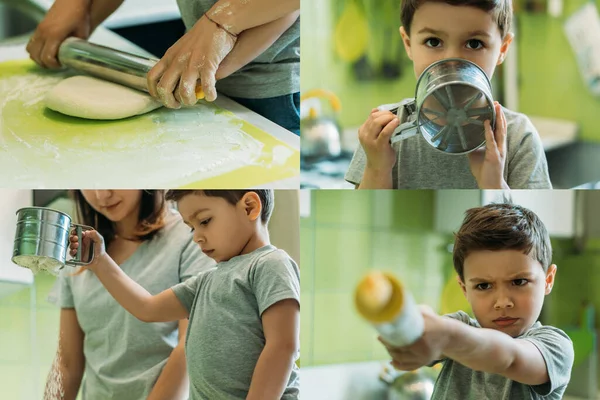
198 147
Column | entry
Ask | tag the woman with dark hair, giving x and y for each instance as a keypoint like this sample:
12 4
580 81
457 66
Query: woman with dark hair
122 357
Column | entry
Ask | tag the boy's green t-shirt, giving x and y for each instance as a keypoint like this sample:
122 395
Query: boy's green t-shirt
276 72
420 166
459 382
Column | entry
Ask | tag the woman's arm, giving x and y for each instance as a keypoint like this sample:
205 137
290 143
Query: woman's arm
237 16
281 326
253 42
172 384
69 363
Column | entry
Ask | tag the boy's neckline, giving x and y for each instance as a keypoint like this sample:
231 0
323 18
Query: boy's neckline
259 250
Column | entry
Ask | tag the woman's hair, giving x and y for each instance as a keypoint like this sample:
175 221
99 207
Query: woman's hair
150 219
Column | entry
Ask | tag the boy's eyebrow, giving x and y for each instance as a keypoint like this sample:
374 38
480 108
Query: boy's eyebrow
441 33
478 33
195 213
511 277
432 31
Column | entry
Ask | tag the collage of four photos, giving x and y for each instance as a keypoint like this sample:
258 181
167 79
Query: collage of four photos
178 176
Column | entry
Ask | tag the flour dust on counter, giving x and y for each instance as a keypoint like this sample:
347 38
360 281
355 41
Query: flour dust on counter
163 148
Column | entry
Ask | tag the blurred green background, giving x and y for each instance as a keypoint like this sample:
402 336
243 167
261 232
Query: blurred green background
350 232
353 48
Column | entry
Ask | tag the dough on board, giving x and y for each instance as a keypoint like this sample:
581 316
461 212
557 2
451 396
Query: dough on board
92 98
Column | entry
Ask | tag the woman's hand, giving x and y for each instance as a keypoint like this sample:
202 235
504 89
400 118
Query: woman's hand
89 238
196 56
64 19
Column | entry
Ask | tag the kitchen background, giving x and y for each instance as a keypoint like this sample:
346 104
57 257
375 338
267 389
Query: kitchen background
344 234
29 324
353 51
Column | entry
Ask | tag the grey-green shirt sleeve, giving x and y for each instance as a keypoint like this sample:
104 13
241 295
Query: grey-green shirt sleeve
274 278
557 350
186 291
526 163
61 295
356 169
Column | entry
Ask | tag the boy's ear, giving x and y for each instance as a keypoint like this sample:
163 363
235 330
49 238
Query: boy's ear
406 41
550 274
505 46
252 205
462 285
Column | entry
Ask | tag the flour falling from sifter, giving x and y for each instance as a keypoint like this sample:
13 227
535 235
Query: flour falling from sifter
54 386
38 263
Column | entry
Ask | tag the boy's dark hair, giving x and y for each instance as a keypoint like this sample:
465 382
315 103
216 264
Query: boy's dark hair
501 227
501 10
266 196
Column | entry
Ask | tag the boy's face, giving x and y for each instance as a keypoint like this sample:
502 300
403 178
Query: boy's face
506 289
221 229
440 31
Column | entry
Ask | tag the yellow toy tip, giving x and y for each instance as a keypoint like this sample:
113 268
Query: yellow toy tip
199 92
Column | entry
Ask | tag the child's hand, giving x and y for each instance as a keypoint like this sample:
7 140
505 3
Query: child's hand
425 350
374 136
88 238
196 55
487 164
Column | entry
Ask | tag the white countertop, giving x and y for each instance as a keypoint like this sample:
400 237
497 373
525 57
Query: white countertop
137 12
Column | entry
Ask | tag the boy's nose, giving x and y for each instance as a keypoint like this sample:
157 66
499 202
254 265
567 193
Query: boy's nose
199 238
454 53
503 302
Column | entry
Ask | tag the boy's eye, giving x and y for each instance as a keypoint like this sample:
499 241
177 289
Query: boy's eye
205 222
475 44
483 286
433 42
520 282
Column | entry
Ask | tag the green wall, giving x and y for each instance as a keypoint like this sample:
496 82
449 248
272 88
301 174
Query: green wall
17 368
346 235
551 85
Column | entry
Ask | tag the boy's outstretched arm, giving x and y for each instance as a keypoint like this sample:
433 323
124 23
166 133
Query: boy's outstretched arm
281 324
495 352
134 298
253 42
480 349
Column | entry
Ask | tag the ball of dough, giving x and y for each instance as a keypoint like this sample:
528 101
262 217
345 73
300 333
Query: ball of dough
92 98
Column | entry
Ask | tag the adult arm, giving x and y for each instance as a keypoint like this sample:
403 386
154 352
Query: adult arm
69 362
172 384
